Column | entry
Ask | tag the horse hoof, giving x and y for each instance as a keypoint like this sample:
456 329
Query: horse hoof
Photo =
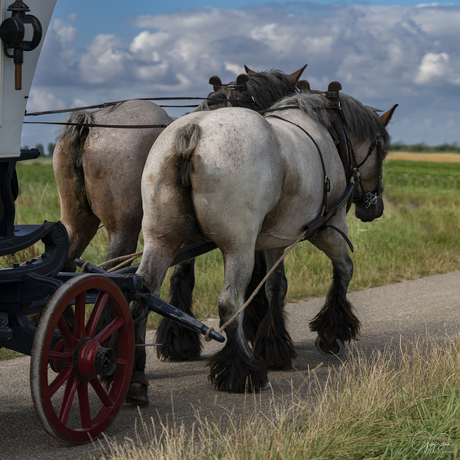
286 367
266 386
335 350
137 394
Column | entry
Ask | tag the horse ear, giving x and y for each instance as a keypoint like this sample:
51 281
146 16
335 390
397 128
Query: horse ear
248 70
299 72
386 117
215 82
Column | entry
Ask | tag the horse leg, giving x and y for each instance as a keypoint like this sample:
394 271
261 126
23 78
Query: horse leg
178 342
122 239
81 225
336 322
162 241
235 368
273 342
257 309
153 268
76 214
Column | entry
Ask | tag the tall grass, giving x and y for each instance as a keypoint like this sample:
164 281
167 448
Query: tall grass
401 404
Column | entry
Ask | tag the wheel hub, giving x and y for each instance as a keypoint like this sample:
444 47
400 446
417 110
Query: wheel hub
90 359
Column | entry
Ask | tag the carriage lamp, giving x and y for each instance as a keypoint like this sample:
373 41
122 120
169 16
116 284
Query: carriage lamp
12 32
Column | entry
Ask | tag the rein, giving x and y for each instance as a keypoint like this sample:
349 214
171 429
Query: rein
110 104
86 125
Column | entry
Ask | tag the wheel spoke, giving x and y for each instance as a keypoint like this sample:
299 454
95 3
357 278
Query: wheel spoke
80 309
67 336
66 356
85 411
103 396
96 314
77 311
109 330
60 379
67 400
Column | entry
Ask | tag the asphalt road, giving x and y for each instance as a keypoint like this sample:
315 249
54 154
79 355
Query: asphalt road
177 390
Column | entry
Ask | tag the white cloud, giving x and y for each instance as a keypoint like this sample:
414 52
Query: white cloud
432 67
65 31
381 54
41 100
237 69
105 61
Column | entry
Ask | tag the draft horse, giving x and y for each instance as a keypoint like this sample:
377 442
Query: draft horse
251 183
98 169
98 172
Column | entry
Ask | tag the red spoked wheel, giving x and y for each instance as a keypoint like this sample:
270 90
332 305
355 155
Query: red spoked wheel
69 363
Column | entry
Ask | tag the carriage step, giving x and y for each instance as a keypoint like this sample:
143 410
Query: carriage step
6 333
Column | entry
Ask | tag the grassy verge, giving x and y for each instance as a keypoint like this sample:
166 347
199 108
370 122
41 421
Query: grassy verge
393 405
416 237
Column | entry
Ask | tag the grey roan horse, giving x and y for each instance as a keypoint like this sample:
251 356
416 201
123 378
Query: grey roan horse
249 182
98 172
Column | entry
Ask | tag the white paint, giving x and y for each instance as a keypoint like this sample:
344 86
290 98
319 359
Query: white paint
13 102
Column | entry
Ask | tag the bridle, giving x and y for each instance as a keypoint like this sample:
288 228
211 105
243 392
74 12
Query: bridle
369 198
345 147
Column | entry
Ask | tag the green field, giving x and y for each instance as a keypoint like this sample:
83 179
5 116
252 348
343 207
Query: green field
416 237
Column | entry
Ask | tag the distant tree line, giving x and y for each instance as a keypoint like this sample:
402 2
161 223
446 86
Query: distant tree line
421 147
47 153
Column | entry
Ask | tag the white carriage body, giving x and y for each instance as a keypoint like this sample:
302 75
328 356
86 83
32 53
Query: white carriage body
13 102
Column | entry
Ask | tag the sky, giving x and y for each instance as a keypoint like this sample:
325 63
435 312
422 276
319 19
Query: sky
382 52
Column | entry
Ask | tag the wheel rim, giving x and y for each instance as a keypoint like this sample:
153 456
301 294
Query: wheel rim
68 395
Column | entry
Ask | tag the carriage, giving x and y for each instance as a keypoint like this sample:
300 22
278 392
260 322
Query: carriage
66 363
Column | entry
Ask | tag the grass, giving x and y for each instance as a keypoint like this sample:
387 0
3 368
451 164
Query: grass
416 237
395 404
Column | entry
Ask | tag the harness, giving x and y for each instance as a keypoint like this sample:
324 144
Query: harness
238 92
347 155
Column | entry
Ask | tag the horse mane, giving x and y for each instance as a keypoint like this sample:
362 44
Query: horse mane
362 121
265 87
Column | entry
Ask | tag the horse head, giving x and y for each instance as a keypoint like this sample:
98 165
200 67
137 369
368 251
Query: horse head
368 173
253 90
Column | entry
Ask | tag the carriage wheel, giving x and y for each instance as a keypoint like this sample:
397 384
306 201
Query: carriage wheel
69 362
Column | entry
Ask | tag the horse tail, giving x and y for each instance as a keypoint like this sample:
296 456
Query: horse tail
72 138
185 144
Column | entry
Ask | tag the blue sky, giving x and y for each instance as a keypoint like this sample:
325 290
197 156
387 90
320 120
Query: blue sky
382 52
